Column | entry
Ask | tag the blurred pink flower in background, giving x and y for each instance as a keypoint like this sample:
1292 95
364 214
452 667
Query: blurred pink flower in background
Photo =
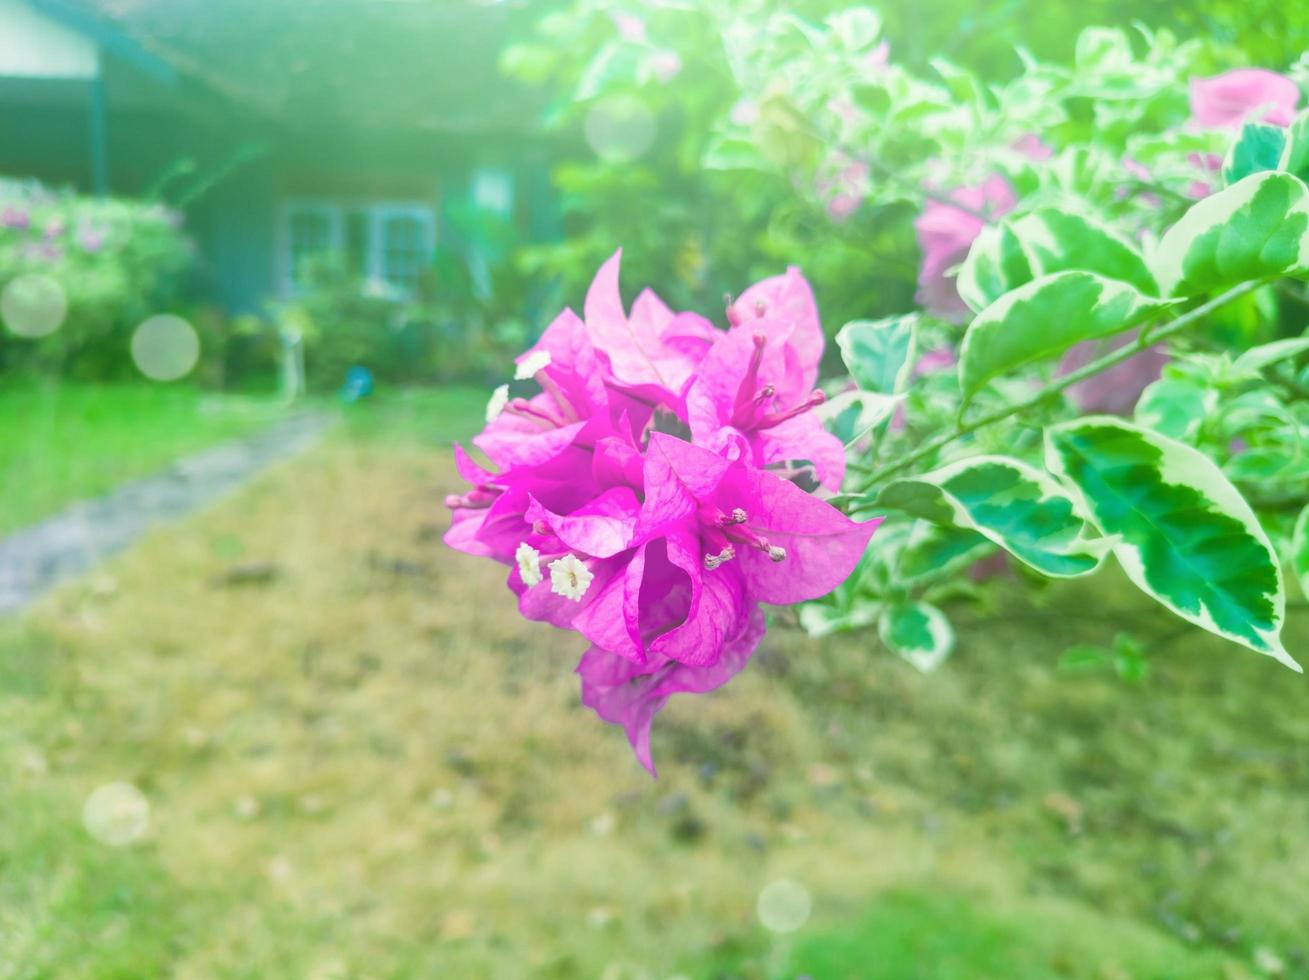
1114 391
12 217
630 27
945 234
1228 100
1033 147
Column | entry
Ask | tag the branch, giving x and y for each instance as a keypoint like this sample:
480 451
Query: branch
1146 339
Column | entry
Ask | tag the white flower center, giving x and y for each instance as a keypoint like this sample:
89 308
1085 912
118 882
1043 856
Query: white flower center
569 577
499 399
529 564
531 363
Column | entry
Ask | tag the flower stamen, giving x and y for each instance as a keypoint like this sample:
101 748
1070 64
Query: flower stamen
570 578
529 564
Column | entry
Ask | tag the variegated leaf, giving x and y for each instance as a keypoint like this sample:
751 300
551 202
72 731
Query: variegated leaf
1259 147
918 632
1043 319
1059 241
1251 362
996 264
1014 505
879 354
1253 230
1184 535
1175 407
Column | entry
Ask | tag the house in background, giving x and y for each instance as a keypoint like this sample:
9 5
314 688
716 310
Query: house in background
284 130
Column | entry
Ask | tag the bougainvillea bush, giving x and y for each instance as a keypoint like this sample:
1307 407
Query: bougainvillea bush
1106 364
111 264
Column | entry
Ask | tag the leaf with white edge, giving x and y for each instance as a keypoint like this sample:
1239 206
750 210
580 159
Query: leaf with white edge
820 619
1061 240
851 414
933 552
1009 502
1175 407
1043 319
879 354
1184 535
1259 147
918 632
1257 358
1253 230
1300 551
996 264
1295 153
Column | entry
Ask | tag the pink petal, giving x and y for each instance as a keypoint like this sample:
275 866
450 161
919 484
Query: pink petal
601 528
804 438
787 300
677 476
1228 100
822 544
717 606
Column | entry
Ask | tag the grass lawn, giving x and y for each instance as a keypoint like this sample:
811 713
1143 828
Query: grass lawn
65 442
366 765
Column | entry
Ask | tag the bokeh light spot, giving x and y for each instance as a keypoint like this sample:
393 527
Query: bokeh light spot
783 906
33 305
116 814
165 348
620 128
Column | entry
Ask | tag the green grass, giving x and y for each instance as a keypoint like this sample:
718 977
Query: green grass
366 764
62 442
417 416
939 934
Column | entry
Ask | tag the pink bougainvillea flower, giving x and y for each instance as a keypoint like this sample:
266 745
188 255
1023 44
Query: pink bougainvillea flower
946 233
658 550
1116 390
1228 100
652 353
754 394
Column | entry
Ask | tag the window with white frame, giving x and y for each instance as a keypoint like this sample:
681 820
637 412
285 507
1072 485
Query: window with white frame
388 244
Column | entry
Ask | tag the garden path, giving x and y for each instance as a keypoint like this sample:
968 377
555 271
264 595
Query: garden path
77 539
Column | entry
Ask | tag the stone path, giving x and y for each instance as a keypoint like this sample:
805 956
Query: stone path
37 558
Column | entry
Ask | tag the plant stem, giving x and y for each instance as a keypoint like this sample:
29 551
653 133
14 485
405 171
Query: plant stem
1146 339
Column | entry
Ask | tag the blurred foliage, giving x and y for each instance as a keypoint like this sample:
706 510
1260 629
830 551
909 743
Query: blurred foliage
697 231
116 262
463 320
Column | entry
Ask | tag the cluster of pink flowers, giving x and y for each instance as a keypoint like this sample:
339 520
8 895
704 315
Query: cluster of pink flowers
649 495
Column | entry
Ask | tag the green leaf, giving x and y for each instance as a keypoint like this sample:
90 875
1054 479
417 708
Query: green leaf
1256 359
820 619
1251 231
1060 240
1043 319
1258 148
879 354
1014 505
996 264
850 414
934 552
1175 407
1295 154
918 632
1300 551
1184 535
